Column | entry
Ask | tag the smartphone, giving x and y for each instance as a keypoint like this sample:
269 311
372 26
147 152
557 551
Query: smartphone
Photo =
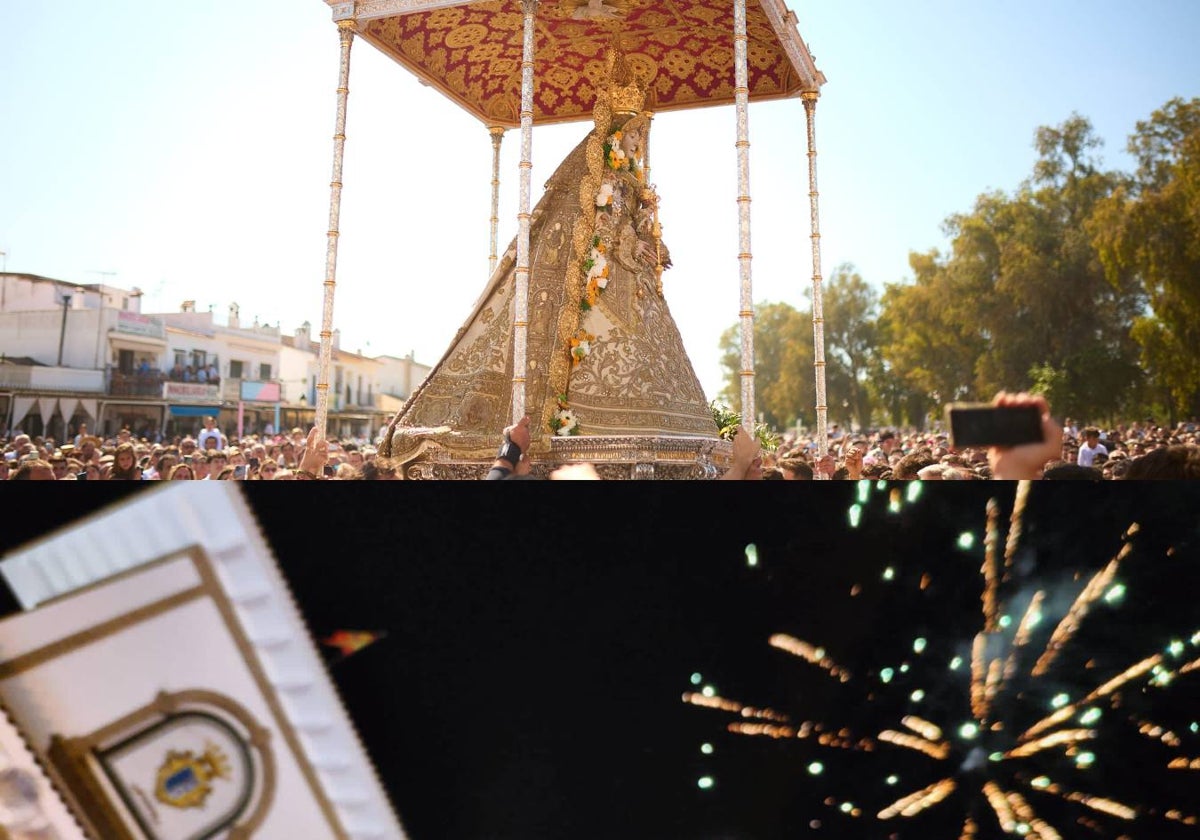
982 424
81 476
239 472
329 469
187 459
253 463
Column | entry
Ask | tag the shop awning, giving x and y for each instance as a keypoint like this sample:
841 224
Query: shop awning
193 410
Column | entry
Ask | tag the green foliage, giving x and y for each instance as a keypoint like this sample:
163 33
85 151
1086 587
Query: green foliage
1081 284
784 383
729 422
1148 232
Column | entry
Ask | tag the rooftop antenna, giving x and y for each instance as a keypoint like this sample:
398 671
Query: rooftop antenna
103 274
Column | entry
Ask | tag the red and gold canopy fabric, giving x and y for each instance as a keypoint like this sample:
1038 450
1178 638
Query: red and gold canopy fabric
682 50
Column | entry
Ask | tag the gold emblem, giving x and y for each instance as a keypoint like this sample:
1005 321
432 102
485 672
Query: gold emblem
185 779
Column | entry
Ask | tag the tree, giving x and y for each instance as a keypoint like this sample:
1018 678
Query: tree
1022 294
851 308
784 383
1149 228
932 336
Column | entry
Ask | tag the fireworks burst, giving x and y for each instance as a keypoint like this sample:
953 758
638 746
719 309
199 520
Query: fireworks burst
1031 732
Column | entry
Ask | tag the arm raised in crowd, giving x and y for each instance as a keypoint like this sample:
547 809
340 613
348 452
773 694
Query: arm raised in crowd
1014 463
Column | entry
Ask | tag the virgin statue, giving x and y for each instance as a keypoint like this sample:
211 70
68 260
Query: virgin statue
607 378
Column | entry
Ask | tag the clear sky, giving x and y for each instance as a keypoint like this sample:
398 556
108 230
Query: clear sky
185 148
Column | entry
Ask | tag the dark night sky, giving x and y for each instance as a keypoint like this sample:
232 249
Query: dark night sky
539 640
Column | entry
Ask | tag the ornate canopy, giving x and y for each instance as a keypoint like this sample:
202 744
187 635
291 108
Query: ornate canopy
682 50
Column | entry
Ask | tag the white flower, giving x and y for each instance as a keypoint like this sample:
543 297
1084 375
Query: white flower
604 197
566 422
599 263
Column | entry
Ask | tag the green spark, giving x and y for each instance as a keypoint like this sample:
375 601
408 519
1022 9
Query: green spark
855 515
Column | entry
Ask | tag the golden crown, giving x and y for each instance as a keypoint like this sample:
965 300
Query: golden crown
625 93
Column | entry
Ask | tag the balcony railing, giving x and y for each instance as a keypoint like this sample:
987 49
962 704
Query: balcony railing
136 384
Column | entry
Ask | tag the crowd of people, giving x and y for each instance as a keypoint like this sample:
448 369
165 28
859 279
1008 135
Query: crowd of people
1138 450
209 455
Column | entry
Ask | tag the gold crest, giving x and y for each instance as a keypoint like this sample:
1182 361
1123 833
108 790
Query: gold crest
185 779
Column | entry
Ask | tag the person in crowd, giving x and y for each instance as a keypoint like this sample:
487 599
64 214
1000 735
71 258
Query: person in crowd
795 469
181 472
217 461
210 432
58 464
1170 463
909 467
124 464
33 469
1091 448
1062 471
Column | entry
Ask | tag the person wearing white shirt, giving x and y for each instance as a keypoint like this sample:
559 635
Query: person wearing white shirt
210 430
1091 447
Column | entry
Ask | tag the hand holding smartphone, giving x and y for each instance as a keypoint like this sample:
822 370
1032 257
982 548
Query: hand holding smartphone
983 424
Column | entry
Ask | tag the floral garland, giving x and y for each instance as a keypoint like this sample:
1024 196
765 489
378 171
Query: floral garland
564 422
596 266
581 345
596 273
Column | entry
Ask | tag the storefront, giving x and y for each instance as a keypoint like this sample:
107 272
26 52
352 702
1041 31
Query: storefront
145 418
50 415
188 419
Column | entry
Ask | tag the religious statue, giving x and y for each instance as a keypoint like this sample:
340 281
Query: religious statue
604 356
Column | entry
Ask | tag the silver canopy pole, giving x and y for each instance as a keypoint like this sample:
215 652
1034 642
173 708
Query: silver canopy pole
809 98
741 94
521 292
497 133
346 34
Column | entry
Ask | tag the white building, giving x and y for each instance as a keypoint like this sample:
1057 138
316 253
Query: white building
86 354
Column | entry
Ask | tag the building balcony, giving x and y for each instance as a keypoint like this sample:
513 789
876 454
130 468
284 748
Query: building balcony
135 384
49 378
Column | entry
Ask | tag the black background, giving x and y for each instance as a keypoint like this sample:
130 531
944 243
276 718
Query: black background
539 637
